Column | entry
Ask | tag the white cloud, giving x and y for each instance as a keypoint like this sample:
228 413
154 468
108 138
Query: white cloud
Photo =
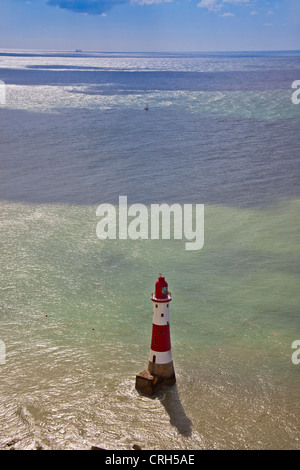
236 1
228 14
149 2
253 12
210 4
216 5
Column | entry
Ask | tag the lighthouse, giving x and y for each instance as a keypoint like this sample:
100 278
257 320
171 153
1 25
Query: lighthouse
160 369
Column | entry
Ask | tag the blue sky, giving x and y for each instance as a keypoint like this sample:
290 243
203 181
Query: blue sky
150 25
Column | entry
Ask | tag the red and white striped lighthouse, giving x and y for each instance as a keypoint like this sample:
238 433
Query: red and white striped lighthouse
160 366
160 358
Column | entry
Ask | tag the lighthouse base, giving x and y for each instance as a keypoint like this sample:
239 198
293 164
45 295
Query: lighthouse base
162 370
149 384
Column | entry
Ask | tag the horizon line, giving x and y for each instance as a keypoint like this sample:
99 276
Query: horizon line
88 51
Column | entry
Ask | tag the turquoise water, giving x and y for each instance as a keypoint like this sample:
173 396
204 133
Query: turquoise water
69 377
76 314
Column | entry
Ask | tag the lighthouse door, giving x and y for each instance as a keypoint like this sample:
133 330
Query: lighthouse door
154 359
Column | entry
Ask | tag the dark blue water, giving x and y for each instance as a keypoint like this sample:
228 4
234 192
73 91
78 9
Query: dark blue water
165 155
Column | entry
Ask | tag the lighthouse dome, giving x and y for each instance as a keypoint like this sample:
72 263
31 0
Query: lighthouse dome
161 288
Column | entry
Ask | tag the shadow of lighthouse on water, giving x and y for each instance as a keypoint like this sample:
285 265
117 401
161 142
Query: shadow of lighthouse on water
170 399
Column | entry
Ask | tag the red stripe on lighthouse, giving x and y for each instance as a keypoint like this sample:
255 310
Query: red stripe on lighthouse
161 340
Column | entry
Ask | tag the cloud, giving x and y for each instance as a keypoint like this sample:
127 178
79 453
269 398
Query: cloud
212 5
97 7
92 7
216 5
236 1
150 2
228 14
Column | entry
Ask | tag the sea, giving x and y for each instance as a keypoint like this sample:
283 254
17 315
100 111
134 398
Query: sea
221 130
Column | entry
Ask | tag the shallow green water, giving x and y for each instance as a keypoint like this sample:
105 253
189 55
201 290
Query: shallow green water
76 321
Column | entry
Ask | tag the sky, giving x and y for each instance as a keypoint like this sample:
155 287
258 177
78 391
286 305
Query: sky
150 25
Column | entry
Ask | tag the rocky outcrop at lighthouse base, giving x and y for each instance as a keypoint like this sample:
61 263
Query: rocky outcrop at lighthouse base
149 384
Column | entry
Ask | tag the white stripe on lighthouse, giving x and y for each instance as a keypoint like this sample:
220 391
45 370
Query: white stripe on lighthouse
161 314
160 357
